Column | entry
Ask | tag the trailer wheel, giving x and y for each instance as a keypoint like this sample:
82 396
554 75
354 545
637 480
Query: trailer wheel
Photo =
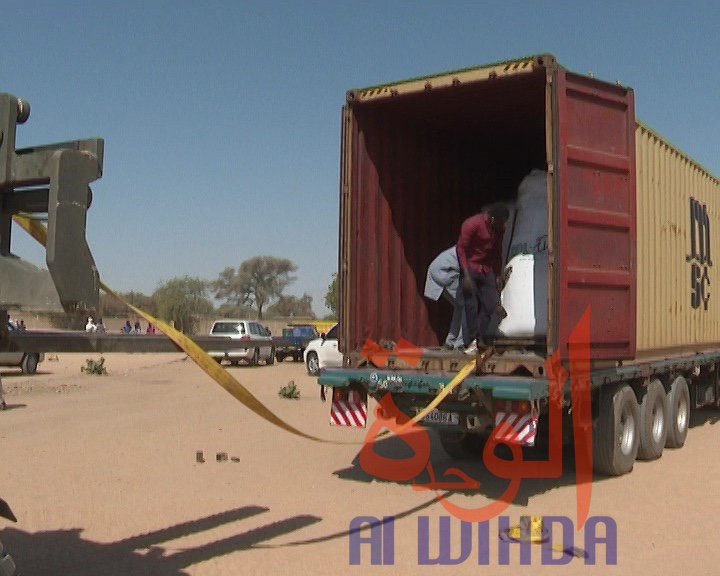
677 413
615 434
653 424
461 445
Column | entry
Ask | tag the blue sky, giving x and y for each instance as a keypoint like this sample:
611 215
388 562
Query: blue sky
221 120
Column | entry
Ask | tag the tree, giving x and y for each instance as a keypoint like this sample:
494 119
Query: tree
331 297
292 307
257 282
227 288
112 307
140 300
182 301
227 310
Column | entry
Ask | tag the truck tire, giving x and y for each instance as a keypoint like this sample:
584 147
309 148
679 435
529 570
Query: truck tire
279 356
7 565
653 424
615 433
30 363
461 445
255 358
677 413
270 360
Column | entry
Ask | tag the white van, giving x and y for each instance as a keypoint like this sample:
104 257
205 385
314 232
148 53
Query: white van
243 330
26 361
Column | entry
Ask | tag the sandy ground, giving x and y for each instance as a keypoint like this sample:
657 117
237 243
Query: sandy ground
102 475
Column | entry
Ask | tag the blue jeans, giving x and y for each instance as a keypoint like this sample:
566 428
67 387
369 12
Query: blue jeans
480 304
458 324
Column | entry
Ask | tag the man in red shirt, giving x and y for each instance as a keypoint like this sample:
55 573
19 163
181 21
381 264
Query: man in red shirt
479 251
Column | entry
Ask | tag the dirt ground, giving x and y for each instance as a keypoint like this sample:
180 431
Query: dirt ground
102 475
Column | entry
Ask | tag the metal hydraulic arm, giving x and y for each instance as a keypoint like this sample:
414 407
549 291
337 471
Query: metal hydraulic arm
52 180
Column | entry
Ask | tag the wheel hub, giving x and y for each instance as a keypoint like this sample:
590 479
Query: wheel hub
627 431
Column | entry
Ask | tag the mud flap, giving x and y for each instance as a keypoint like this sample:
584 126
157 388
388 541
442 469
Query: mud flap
348 408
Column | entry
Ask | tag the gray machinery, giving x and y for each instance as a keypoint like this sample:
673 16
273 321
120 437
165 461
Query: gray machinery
53 180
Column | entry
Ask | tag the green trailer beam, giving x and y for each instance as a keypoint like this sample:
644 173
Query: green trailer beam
415 382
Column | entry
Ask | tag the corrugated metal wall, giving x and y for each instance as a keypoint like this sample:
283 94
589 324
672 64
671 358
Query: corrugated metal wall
396 231
677 211
415 168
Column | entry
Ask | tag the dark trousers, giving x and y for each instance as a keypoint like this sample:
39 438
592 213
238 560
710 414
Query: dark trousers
479 305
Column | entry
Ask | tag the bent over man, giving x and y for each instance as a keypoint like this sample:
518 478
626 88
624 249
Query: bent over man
479 251
443 279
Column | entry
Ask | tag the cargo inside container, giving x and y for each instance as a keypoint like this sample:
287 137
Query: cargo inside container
422 163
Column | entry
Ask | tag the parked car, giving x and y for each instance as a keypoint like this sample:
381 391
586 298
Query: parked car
323 352
26 361
243 330
300 336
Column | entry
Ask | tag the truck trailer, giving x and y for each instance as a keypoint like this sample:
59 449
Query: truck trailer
630 236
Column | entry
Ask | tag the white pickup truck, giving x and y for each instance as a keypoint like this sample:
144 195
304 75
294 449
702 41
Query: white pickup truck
27 361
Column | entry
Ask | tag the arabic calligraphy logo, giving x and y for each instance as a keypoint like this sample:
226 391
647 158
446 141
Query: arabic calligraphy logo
387 415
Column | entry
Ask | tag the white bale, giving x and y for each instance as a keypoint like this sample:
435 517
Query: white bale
529 234
525 297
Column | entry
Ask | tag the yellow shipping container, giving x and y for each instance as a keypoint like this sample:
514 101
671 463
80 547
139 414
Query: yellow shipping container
676 217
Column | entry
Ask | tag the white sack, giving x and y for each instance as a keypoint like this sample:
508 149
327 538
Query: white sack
525 297
529 233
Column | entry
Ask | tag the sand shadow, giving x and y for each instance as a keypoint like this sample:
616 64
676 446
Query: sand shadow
18 373
491 486
66 552
346 533
9 406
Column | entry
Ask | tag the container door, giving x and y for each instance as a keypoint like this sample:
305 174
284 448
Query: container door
594 215
345 242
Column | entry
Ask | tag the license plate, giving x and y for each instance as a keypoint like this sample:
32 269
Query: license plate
438 417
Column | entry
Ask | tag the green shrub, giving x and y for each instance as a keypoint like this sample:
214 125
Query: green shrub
290 391
94 367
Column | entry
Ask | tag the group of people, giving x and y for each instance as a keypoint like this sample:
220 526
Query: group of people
19 325
137 329
91 326
127 328
469 275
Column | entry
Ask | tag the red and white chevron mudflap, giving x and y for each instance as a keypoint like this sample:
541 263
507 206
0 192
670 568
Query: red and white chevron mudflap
524 428
349 409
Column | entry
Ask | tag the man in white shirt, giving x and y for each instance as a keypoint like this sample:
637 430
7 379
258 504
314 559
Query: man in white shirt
443 279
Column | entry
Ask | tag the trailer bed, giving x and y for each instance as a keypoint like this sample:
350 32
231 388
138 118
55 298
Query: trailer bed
418 381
